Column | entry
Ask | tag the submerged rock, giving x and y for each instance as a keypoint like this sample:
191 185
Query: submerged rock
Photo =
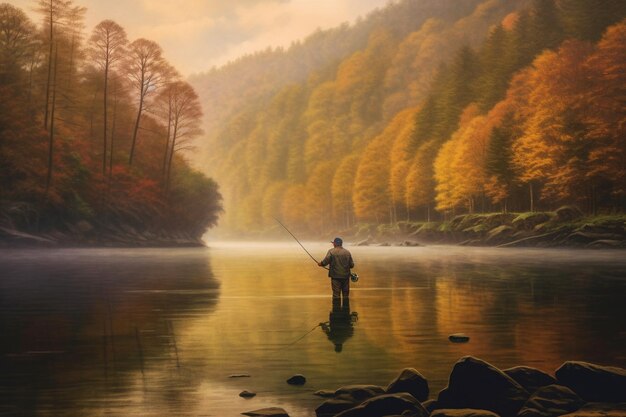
462 412
297 380
336 405
458 338
348 397
387 405
324 393
360 392
479 385
600 410
411 381
530 378
551 401
267 412
247 394
593 383
239 376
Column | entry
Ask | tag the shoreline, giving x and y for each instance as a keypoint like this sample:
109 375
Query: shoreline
478 389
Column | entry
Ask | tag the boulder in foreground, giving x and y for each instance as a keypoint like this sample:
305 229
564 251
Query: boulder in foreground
462 412
551 401
479 385
530 378
412 382
387 405
594 383
600 410
267 412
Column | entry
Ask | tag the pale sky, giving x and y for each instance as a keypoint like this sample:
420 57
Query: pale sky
199 34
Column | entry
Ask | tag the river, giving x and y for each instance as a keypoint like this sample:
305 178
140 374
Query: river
159 332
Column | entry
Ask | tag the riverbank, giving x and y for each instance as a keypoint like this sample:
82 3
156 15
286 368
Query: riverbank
479 389
20 226
565 227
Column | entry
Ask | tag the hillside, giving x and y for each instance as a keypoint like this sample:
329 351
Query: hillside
494 106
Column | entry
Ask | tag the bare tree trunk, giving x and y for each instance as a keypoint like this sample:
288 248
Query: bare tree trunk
45 117
111 150
532 201
171 158
167 139
51 140
104 125
136 129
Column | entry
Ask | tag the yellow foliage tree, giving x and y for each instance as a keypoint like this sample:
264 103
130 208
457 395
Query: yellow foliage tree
342 189
372 196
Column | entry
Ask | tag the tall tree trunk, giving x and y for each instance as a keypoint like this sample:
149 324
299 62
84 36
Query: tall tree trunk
45 116
104 125
171 158
112 148
136 129
51 137
532 198
167 139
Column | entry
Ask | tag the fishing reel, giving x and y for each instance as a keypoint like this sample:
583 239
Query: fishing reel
354 277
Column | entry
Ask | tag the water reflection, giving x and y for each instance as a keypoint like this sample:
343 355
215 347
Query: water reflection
340 325
81 329
157 332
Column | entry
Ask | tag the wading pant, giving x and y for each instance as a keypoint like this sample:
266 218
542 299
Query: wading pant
340 287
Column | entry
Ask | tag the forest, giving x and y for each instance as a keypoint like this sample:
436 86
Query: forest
422 111
93 133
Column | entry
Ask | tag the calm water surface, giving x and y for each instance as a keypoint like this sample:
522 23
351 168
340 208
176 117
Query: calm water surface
157 332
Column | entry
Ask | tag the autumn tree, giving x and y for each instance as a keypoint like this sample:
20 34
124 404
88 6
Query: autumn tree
148 71
420 183
342 189
53 12
17 34
107 47
183 117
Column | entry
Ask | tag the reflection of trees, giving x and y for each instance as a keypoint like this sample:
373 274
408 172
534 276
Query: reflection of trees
75 316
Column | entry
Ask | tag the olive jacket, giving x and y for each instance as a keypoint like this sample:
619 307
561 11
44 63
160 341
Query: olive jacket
340 261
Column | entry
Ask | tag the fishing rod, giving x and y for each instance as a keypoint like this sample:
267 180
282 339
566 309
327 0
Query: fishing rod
353 275
292 235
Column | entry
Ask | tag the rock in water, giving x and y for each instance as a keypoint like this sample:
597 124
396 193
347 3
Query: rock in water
360 392
459 338
412 382
267 412
324 393
348 397
336 405
600 410
462 412
387 405
479 385
247 394
594 383
297 380
239 376
551 401
530 378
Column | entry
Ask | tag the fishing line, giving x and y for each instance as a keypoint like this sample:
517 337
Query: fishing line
292 235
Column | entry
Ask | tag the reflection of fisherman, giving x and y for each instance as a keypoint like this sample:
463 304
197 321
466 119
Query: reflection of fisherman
340 261
339 327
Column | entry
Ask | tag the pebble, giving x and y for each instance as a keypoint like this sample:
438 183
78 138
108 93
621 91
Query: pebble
458 338
297 380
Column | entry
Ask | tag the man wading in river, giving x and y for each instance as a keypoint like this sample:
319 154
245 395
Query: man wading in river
340 262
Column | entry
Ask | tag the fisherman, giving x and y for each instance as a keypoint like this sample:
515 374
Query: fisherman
340 261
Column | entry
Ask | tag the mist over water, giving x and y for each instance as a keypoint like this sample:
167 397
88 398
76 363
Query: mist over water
154 332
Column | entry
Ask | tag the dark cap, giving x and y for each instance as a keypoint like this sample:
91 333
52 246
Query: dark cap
337 241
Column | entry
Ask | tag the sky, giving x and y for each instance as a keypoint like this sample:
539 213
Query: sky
199 34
